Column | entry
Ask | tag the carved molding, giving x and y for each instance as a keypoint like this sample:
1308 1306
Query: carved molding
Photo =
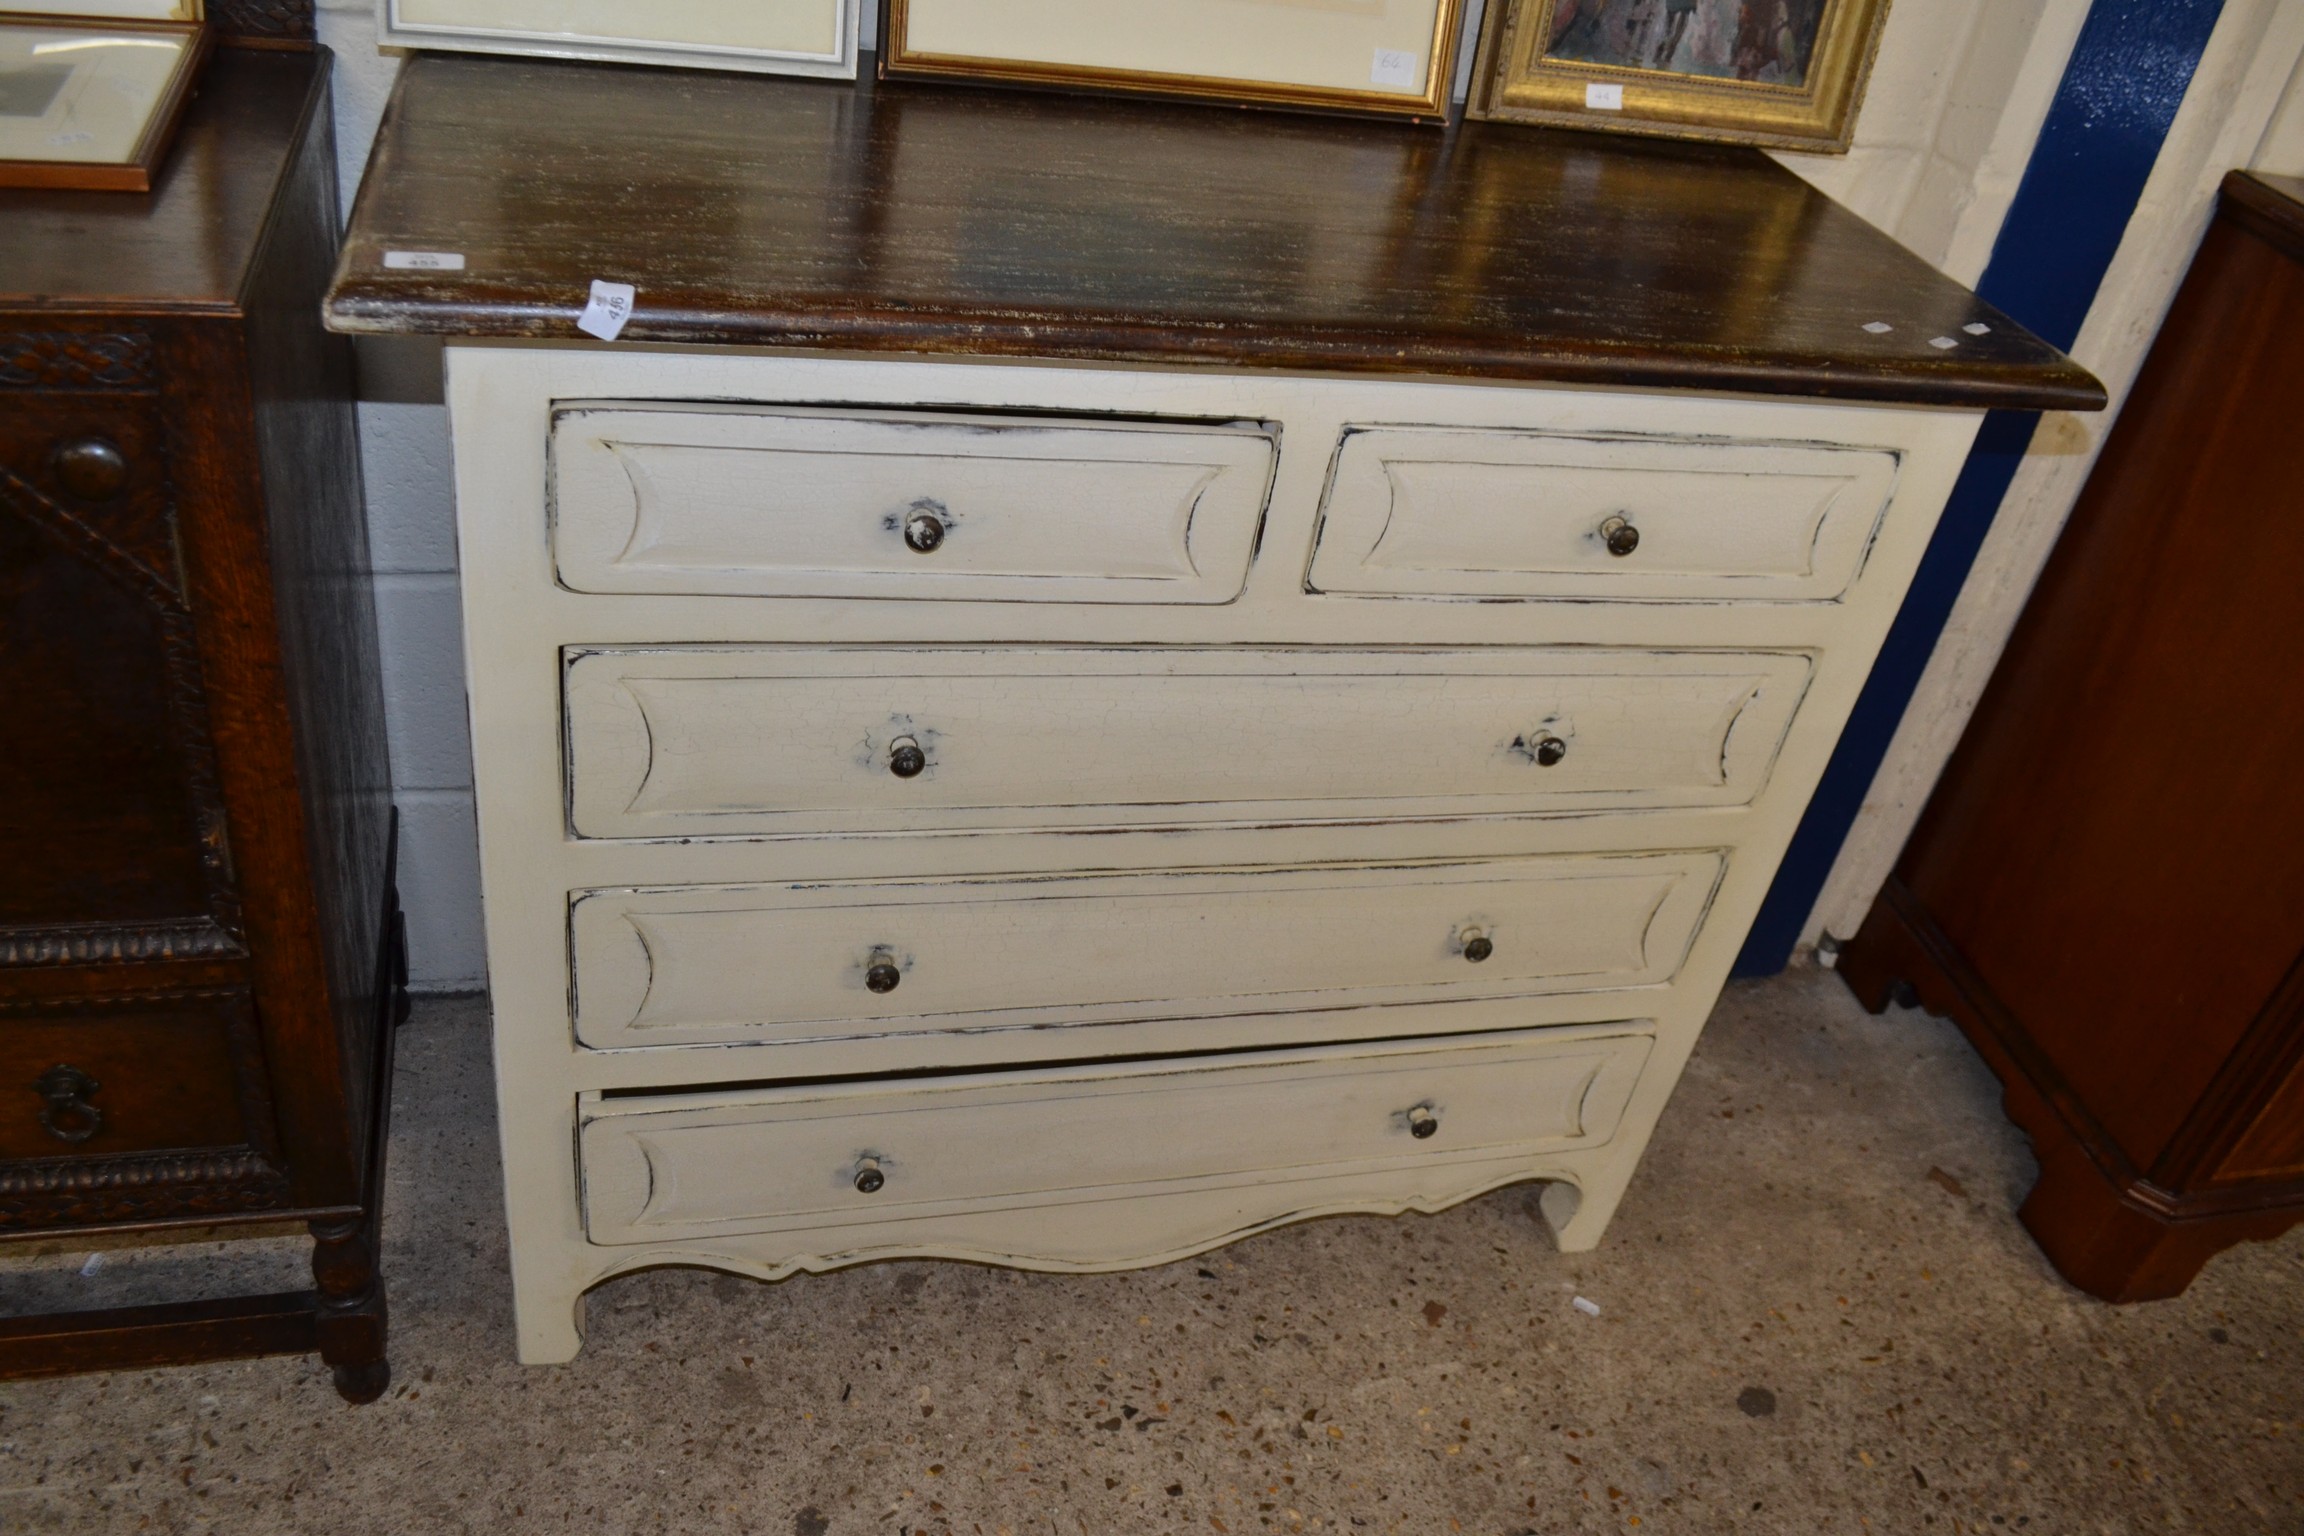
61 1192
95 943
75 360
261 18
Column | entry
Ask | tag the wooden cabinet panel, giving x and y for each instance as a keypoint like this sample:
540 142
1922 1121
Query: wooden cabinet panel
793 1159
2108 886
754 501
111 830
709 741
1539 514
1041 952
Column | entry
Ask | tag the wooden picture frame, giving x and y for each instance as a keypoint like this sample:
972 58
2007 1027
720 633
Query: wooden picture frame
52 102
1273 54
1787 74
784 37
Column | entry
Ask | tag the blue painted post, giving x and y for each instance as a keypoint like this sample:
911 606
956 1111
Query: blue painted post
2127 76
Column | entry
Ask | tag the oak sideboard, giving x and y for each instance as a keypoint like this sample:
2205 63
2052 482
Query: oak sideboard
1086 678
201 959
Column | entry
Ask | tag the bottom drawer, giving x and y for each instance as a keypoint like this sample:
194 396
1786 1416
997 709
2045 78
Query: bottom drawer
103 1077
667 1167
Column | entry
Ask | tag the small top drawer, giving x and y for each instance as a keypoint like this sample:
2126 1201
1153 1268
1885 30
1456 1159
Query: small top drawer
1427 512
755 501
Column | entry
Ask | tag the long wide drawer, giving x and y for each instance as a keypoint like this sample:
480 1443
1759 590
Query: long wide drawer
659 1168
112 1076
767 502
1537 515
707 741
814 961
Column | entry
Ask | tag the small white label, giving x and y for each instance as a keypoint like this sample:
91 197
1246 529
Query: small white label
95 1263
1942 343
424 261
611 306
1396 67
1878 327
1586 1305
1604 98
1977 328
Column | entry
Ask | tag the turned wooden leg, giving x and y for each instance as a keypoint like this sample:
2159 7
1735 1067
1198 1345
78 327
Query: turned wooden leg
351 1320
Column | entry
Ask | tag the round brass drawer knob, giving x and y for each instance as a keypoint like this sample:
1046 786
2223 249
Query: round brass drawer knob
91 468
1479 947
905 759
869 1179
883 977
1620 536
923 531
1549 751
1422 1123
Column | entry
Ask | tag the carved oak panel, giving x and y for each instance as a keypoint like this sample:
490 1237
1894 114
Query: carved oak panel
111 826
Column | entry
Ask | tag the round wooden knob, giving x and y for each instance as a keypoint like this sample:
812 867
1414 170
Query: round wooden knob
1478 947
1549 751
1422 1123
91 469
923 530
1620 536
869 1179
882 976
905 759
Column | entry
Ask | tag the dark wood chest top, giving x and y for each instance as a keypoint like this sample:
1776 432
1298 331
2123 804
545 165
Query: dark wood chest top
191 242
763 211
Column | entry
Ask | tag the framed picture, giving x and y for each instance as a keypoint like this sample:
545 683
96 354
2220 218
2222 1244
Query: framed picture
785 37
1390 56
92 102
1785 73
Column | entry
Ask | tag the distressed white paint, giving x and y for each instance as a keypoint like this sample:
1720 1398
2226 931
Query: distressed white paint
793 503
2232 114
713 742
1519 514
1051 953
1098 1166
1945 132
1283 699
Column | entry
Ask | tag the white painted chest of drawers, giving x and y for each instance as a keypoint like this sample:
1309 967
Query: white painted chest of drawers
1071 817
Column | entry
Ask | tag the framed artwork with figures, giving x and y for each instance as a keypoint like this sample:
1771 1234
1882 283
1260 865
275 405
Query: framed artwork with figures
1784 73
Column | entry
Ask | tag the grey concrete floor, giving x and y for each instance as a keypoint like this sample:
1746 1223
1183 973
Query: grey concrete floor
1817 1314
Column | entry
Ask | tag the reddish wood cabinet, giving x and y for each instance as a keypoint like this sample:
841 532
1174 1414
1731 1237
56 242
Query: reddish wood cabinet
2107 891
199 956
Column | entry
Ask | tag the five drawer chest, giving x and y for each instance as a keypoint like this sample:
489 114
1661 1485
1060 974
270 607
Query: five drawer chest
1087 678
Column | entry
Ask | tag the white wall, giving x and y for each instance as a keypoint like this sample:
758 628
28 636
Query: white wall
1955 102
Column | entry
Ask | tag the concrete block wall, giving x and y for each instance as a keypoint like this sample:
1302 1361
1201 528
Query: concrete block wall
1954 104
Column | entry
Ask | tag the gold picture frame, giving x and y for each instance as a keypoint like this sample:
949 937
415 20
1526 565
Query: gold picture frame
1787 74
92 103
1283 53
